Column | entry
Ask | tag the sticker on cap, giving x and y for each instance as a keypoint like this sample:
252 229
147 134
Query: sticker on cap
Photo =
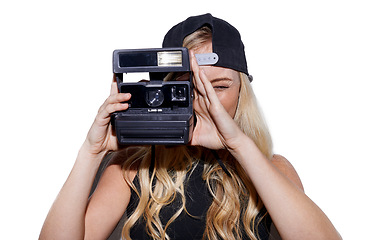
207 58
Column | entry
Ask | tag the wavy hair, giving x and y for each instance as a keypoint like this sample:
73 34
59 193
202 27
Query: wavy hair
236 204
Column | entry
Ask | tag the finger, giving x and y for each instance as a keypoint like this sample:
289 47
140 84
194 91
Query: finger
195 68
217 111
113 91
105 113
208 88
111 108
119 97
115 99
114 86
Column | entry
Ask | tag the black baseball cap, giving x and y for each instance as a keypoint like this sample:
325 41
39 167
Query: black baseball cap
226 40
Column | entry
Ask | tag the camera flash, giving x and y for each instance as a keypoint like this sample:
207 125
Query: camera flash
172 58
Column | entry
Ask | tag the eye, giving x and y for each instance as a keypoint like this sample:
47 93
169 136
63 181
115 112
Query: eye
220 87
221 84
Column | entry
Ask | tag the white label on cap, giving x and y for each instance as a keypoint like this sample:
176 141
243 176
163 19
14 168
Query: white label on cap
207 58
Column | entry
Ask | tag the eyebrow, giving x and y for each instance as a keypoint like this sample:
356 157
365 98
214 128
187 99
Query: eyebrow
221 79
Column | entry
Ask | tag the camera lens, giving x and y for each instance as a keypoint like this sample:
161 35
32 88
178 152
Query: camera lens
178 93
154 97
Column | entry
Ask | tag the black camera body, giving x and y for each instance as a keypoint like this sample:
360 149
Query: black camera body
160 110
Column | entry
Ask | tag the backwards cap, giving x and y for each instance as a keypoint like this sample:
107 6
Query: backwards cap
227 43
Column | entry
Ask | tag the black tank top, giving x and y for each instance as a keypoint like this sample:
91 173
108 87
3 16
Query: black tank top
198 200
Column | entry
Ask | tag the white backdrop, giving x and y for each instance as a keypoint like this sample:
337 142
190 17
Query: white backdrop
315 71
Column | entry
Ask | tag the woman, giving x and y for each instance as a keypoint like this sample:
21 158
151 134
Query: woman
226 185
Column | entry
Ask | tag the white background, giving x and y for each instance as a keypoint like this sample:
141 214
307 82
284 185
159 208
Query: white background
315 70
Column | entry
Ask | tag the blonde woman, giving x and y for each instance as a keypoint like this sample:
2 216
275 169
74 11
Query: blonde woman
227 184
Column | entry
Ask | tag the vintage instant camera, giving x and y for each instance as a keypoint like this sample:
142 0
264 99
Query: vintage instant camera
160 109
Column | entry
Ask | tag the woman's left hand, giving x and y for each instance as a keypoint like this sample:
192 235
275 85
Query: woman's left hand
215 128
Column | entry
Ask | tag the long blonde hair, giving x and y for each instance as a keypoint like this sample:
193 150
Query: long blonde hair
236 203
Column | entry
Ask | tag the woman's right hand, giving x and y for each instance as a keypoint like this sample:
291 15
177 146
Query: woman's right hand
67 216
101 137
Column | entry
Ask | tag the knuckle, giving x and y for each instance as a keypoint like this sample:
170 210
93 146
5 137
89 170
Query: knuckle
109 108
120 97
103 106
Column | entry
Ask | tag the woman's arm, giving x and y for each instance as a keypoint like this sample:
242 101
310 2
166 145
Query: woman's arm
66 218
285 167
293 213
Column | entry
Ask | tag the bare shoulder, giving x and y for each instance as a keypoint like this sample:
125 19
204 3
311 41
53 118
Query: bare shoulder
114 178
120 156
287 169
119 159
